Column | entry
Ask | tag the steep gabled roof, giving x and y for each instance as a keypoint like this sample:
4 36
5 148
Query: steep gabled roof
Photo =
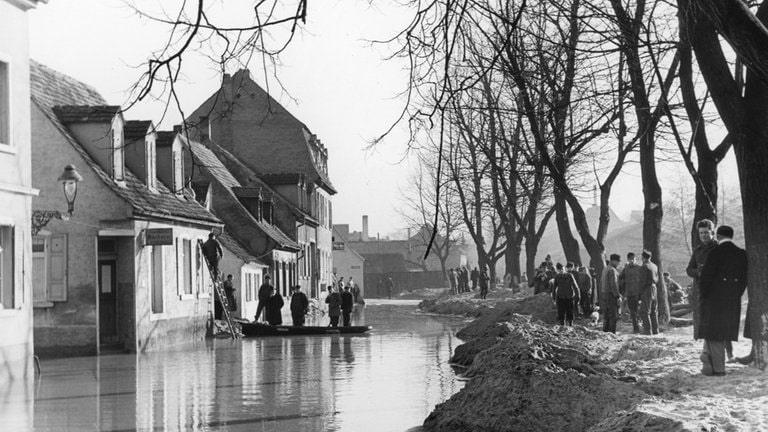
86 113
136 129
244 174
231 244
295 135
50 89
219 173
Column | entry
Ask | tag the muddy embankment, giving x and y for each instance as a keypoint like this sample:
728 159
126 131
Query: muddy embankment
528 375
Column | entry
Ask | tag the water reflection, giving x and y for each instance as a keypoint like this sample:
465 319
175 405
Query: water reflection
388 380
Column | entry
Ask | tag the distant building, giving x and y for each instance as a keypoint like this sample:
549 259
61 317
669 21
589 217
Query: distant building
347 262
125 272
281 151
16 192
384 255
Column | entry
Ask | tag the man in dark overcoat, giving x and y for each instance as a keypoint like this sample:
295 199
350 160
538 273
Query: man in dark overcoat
706 231
722 283
648 308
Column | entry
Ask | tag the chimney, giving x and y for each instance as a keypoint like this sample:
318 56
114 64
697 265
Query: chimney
365 228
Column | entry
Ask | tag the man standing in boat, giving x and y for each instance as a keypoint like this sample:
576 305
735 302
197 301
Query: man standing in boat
347 303
334 307
299 306
265 291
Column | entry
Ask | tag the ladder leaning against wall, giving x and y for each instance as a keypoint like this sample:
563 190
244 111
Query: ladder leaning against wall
219 292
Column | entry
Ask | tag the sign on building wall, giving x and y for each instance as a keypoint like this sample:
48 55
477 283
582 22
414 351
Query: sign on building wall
158 236
338 245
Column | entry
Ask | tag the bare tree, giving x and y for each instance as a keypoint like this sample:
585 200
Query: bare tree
420 201
261 31
744 111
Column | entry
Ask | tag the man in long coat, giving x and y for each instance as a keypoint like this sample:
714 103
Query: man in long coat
648 308
707 236
722 284
610 298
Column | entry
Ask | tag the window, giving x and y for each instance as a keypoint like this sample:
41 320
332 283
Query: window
178 172
151 162
5 103
157 279
49 264
118 162
7 252
248 286
184 266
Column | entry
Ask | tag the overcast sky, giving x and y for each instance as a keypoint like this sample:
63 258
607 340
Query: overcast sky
338 85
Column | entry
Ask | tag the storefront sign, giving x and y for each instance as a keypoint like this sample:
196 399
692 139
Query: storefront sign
158 236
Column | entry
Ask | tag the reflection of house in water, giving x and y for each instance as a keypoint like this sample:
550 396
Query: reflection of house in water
402 260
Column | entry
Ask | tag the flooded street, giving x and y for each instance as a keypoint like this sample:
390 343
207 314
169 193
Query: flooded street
387 380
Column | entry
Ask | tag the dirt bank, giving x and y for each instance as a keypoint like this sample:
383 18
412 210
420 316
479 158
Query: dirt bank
527 375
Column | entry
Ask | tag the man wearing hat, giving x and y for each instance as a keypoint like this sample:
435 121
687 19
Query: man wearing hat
610 298
648 309
265 292
722 283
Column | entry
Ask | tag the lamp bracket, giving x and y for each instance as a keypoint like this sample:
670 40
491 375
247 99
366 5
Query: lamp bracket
40 218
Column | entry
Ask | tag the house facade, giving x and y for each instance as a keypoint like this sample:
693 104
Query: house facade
16 192
124 273
246 121
250 211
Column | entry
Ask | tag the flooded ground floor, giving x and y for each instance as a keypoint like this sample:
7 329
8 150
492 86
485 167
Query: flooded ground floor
388 380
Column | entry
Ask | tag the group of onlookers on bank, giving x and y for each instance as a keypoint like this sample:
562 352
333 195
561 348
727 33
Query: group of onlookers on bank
719 271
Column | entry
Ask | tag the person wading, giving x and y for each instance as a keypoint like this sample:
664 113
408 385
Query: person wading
721 283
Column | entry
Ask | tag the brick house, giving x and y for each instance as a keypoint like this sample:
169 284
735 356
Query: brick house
280 150
249 211
124 272
16 194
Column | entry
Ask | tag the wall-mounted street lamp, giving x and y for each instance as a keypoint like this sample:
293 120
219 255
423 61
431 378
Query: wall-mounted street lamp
68 179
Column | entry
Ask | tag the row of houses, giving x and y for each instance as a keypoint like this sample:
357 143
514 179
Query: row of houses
122 268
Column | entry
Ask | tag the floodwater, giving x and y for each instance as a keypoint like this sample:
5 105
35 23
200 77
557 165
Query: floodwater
387 380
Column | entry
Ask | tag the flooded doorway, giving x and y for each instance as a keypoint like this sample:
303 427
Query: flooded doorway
108 302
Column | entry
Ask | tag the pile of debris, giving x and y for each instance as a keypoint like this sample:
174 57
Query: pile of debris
537 378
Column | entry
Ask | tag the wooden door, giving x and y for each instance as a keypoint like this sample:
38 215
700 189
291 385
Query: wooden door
108 301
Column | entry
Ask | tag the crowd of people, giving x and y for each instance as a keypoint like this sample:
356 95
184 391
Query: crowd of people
719 271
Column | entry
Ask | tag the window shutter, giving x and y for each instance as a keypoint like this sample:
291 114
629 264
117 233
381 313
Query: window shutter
179 266
57 267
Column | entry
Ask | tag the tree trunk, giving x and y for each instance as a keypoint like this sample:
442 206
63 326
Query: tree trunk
752 161
512 257
567 240
706 195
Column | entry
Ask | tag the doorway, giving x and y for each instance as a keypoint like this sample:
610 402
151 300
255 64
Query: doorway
108 311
